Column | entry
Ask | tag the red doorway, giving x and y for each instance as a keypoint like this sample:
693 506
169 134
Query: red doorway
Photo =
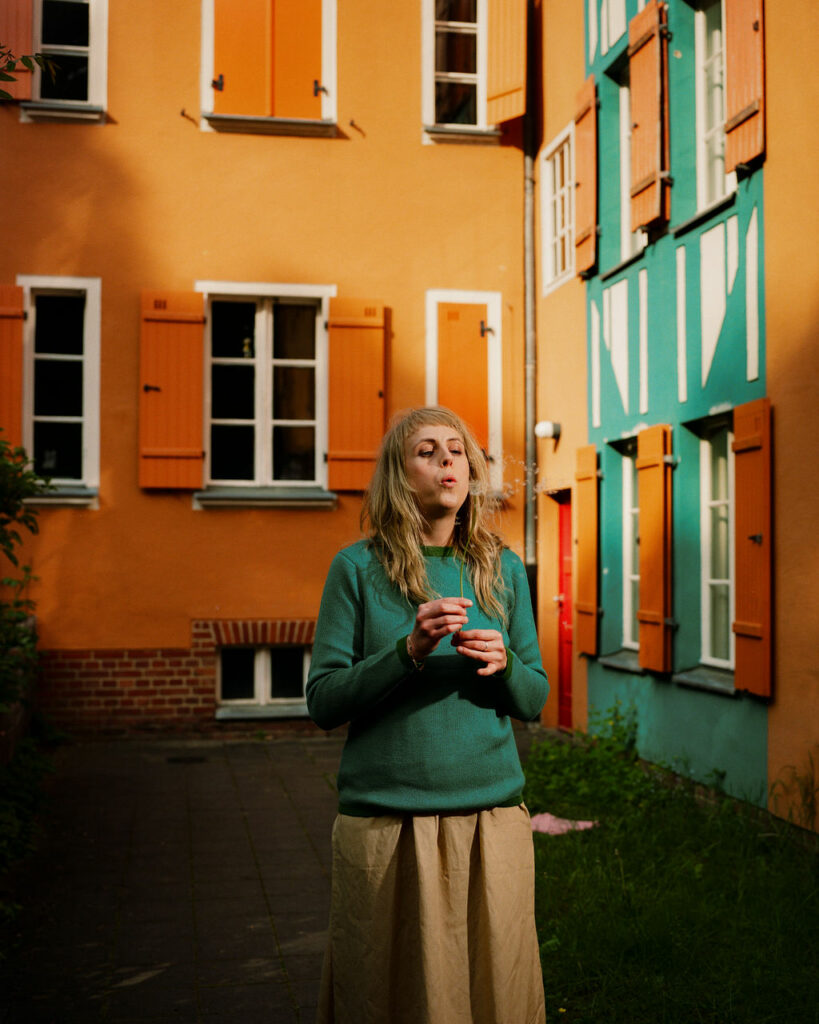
564 601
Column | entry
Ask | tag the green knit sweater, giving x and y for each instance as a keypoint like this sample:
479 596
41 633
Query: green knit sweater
439 740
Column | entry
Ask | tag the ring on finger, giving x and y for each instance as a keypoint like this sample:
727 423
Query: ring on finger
485 646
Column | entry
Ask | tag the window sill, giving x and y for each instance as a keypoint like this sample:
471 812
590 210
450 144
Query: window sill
704 677
270 125
705 214
234 713
264 497
60 495
624 660
468 133
42 110
623 264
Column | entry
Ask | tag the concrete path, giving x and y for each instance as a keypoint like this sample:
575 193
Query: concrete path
181 880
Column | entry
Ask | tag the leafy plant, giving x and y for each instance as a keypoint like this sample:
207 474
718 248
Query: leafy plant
9 62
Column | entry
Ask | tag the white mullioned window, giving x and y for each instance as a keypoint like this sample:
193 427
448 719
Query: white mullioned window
73 35
266 389
712 181
612 23
631 242
454 57
631 550
61 378
717 546
269 677
557 210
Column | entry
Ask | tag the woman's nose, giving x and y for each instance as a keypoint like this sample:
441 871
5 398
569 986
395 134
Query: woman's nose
446 458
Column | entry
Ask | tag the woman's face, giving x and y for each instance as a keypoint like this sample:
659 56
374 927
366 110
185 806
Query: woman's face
437 469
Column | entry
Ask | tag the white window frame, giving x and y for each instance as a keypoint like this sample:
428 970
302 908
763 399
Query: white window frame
631 523
429 74
256 292
613 23
705 171
706 502
553 276
329 64
631 242
94 107
494 355
283 707
32 286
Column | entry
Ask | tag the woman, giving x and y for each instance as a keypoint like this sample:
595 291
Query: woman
432 917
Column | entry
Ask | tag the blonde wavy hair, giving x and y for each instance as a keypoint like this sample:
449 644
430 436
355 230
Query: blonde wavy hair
390 516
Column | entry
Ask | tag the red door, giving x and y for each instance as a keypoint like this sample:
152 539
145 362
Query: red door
564 624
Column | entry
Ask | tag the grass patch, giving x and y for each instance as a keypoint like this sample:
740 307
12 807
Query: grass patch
675 909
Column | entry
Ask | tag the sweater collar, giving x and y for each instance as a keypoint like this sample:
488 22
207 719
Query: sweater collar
431 551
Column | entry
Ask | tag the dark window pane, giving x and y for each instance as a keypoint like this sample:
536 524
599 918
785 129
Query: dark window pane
286 672
64 23
294 453
233 329
58 450
456 52
455 103
70 80
232 453
294 332
294 392
59 324
236 665
57 388
456 10
232 392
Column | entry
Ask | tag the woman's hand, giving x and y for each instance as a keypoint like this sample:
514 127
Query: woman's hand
435 620
483 645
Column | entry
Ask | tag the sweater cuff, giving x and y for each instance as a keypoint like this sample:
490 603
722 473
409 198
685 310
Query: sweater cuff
510 662
401 651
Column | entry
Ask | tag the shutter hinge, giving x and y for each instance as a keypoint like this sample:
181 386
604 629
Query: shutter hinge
755 537
219 83
671 460
671 623
318 87
325 457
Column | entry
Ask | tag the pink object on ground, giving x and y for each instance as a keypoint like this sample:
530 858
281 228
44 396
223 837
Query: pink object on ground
553 826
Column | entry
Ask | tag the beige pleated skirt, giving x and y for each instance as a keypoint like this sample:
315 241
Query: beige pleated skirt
432 921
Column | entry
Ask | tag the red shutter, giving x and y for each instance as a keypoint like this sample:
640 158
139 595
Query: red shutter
506 73
357 365
753 540
11 364
744 82
654 494
242 57
171 390
585 631
297 58
585 166
463 373
648 79
16 35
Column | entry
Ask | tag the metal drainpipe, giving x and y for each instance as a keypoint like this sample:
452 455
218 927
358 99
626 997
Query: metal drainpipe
529 320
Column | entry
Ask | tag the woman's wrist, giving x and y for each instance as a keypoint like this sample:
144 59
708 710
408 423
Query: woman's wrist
418 663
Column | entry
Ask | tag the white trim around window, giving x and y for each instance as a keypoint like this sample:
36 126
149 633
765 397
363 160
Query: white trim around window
261 674
429 74
713 183
719 508
263 294
494 355
81 489
93 107
631 565
557 210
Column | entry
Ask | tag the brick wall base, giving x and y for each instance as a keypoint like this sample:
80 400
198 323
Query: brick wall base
133 689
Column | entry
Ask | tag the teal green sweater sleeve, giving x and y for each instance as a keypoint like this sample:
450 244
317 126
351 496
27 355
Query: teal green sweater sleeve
343 682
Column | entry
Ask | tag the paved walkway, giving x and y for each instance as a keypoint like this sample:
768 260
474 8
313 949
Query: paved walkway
179 880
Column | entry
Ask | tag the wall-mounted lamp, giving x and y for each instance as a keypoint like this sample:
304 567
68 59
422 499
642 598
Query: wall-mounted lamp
548 428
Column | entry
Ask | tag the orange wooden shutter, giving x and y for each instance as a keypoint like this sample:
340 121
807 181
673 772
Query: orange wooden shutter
506 72
648 78
753 540
585 166
585 631
463 369
16 35
171 390
297 58
243 57
11 364
744 82
654 498
357 365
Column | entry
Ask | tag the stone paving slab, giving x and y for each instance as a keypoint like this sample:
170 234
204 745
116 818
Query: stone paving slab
177 880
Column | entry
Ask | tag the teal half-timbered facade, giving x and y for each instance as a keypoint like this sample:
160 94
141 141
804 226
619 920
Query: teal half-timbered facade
678 614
